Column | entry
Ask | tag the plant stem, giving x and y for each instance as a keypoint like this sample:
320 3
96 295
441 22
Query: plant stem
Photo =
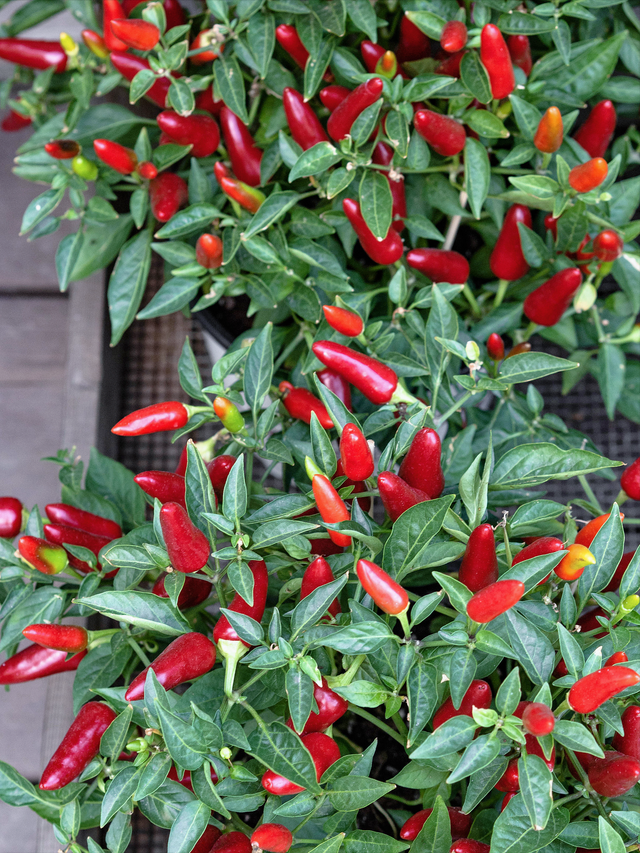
589 492
134 645
473 302
454 408
503 284
382 726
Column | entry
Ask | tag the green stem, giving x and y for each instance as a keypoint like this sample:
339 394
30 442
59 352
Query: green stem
311 814
145 660
405 624
382 726
473 302
347 677
288 350
503 284
507 547
531 328
589 492
454 408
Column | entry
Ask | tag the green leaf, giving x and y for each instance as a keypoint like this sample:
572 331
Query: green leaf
180 97
364 17
528 366
259 369
183 742
610 839
587 73
174 295
39 208
476 756
430 23
364 694
532 464
114 739
535 787
534 248
234 497
350 793
316 67
407 549
607 547
538 186
376 202
512 832
127 283
477 174
262 40
282 751
611 373
307 612
474 76
15 790
153 775
67 255
230 85
197 217
119 792
273 209
576 737
422 697
199 497
300 696
435 835
142 609
533 648
188 827
519 23
452 736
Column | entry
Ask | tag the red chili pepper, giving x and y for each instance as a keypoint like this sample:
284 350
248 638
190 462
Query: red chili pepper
383 156
303 123
478 695
617 657
598 687
608 246
95 43
573 564
209 836
206 101
204 39
377 381
355 454
413 44
324 752
589 175
167 194
497 598
199 131
231 842
318 573
10 517
79 746
371 55
386 593
219 469
509 782
119 158
495 57
246 196
188 657
14 122
188 547
398 496
421 467
160 417
291 43
174 13
507 260
272 837
495 346
547 303
83 520
468 845
450 66
62 149
460 823
244 154
444 134
61 638
613 775
520 52
147 170
163 485
331 507
629 742
181 467
111 11
33 53
479 566
330 708
538 719
36 662
135 33
440 265
596 133
223 632
588 533
337 384
300 403
551 224
61 534
128 65
506 800
44 556
548 136
209 251
454 36
344 115
194 591
614 583
333 96
344 321
386 251
541 545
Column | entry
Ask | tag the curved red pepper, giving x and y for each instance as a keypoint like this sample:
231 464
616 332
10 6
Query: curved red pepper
608 246
547 303
596 133
629 742
163 485
209 251
246 196
82 520
422 467
318 573
497 598
377 381
538 720
331 507
333 96
598 687
135 33
62 149
413 44
444 134
440 265
507 260
95 43
112 10
509 782
520 52
386 593
128 65
34 53
167 194
355 454
346 322
324 752
193 592
14 122
160 417
454 36
303 123
244 154
588 533
199 131
187 546
386 251
543 545
209 836
79 746
330 708
61 638
300 403
383 156
342 118
37 662
460 823
479 566
613 775
10 517
548 135
61 534
398 496
223 630
371 54
587 176
290 41
186 658
495 57
44 556
272 837
337 385
219 469
495 347
478 695
617 657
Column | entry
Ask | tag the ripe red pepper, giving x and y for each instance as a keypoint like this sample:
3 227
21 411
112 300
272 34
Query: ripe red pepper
595 134
355 454
79 746
444 134
187 657
460 823
223 632
219 469
495 57
413 44
588 533
194 591
421 467
478 695
62 149
551 224
160 417
163 485
231 842
450 66
538 719
629 742
147 170
188 547
613 775
174 13
468 845
630 480
14 121
383 156
589 175
209 836
497 598
386 593
495 346
33 53
303 123
206 101
272 837
324 752
331 507
245 195
112 10
377 381
479 566
547 303
386 251
333 96
548 136
167 194
291 43
10 517
336 384
507 260
244 154
61 638
82 520
398 496
598 687
42 555
573 564
608 246
617 657
200 131
204 39
330 708
344 115
61 534
300 403
209 251
135 33
346 322
318 573
36 662
520 52
128 65
541 545
440 265
371 55
454 36
95 43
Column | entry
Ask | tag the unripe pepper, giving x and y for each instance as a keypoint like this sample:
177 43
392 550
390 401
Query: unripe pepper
469 845
61 638
332 96
84 168
244 154
495 57
520 52
386 251
204 39
525 346
413 44
331 507
300 403
386 593
422 467
219 469
83 520
613 775
228 413
398 496
355 454
62 149
346 322
112 10
36 662
289 40
440 265
573 564
167 194
479 566
95 43
318 573
608 246
33 53
478 695
507 260
246 196
209 251
128 65
547 303
135 33
44 556
497 598
538 719
61 534
460 823
10 517
495 346
548 136
199 131
598 687
272 837
589 175
303 123
188 547
629 742
187 657
444 134
383 156
377 381
337 385
454 36
79 746
193 592
163 485
160 417
324 752
595 134
342 118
